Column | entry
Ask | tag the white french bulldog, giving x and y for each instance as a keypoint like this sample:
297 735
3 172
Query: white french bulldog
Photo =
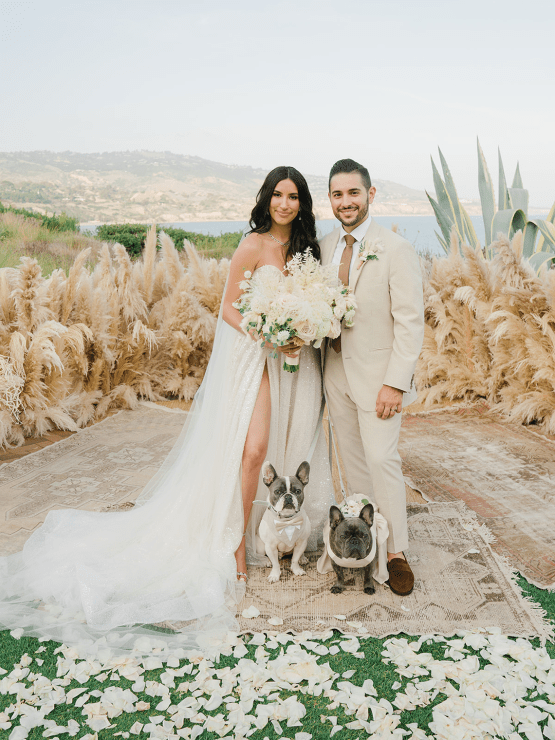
285 527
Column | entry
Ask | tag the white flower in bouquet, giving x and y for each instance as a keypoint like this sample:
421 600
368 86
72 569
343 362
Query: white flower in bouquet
324 329
335 330
340 308
306 330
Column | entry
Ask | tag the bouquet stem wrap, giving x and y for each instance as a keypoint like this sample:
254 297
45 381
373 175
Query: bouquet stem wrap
291 363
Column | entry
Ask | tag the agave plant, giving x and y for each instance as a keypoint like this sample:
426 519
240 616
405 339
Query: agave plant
508 217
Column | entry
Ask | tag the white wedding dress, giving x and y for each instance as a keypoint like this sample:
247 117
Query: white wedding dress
100 580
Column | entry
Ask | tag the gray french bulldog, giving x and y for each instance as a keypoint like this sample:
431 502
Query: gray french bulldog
285 526
351 538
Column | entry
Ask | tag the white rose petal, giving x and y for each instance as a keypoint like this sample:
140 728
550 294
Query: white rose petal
275 621
19 733
251 613
98 723
259 638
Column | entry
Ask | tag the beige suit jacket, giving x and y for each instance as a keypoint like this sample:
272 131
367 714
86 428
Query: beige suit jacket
383 345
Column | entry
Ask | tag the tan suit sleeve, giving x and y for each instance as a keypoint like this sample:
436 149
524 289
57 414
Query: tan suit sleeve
407 308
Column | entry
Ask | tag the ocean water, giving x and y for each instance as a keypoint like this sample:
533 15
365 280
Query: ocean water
418 230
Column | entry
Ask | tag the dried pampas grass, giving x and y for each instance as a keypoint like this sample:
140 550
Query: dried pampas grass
490 333
72 348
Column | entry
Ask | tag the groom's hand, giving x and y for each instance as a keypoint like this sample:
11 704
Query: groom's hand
389 402
288 349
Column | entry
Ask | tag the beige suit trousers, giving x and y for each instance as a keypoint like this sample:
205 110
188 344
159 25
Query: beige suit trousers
368 447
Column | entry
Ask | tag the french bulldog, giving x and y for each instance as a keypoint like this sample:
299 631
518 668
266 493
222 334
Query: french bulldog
285 527
353 539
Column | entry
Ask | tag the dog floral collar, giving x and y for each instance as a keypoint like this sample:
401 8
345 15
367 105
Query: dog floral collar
354 505
369 251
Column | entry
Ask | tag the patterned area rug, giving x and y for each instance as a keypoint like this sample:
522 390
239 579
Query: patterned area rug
98 468
459 585
503 472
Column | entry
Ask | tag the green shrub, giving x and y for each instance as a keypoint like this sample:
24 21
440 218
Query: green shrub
63 222
132 237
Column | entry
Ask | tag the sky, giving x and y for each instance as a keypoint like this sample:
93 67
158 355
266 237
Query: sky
297 82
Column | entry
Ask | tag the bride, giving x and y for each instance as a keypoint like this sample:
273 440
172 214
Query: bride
105 580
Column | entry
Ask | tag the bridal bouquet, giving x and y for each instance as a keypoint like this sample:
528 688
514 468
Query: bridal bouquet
304 307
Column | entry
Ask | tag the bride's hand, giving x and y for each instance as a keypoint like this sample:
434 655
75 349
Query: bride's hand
256 338
289 349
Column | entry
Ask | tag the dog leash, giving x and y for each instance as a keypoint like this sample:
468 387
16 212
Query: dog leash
316 431
332 445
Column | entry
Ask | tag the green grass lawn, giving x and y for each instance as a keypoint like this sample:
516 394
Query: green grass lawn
386 679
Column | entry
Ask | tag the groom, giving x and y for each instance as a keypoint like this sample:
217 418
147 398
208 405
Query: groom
369 369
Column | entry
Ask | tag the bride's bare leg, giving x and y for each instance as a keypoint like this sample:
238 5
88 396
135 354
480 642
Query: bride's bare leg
254 454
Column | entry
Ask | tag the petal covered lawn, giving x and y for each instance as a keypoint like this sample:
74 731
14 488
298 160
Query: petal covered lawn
473 685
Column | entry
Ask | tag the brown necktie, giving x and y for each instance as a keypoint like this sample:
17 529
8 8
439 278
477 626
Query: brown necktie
343 275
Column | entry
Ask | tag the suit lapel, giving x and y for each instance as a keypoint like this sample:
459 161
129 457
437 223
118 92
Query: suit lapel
371 234
330 247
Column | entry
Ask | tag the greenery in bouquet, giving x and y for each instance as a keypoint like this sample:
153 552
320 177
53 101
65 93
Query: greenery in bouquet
306 306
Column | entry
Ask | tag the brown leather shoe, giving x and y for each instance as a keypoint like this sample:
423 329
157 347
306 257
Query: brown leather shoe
401 577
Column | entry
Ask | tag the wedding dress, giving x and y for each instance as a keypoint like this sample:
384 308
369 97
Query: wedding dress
101 580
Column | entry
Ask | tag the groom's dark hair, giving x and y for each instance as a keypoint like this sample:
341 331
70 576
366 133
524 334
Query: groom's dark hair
349 165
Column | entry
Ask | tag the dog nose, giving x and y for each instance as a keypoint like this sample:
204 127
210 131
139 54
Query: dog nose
356 549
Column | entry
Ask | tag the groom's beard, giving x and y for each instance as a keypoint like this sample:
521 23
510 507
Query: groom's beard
353 216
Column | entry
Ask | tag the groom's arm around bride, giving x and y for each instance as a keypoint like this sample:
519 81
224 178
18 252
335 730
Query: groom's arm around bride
369 374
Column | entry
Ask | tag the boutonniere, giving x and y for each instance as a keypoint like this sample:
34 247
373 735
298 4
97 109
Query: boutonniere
369 252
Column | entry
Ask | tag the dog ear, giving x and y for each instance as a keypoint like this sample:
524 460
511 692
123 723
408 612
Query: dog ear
268 473
336 517
302 472
367 514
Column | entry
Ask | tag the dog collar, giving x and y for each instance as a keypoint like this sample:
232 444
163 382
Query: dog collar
292 521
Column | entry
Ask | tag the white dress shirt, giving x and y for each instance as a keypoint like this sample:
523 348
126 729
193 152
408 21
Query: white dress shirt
359 233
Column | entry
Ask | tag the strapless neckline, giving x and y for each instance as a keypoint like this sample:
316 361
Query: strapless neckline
274 267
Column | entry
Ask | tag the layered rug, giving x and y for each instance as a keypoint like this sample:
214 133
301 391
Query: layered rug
101 467
503 472
460 583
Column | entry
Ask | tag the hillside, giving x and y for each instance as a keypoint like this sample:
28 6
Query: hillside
158 186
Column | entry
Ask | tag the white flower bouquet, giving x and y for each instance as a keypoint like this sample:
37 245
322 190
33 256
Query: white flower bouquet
303 307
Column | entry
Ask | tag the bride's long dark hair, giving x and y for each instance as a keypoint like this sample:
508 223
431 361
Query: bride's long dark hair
303 228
